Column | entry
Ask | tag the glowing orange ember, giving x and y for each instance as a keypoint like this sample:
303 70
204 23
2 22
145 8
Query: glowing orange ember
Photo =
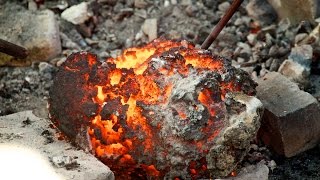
154 111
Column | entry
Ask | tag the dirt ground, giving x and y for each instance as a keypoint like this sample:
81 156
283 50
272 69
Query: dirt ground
118 26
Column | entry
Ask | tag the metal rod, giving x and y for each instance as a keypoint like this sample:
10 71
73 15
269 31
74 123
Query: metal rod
221 24
13 49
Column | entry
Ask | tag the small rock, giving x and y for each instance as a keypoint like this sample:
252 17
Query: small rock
77 14
186 2
140 4
269 40
300 37
149 27
58 61
60 5
173 34
290 124
252 39
241 60
313 37
68 43
298 67
32 6
141 13
115 53
245 50
166 3
104 54
263 72
302 55
253 172
176 12
210 3
174 2
254 147
63 161
261 11
295 72
272 165
139 35
45 67
273 51
191 10
268 63
283 25
91 42
223 7
108 2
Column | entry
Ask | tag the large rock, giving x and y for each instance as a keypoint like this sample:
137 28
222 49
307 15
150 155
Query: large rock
199 128
27 142
295 10
291 121
37 31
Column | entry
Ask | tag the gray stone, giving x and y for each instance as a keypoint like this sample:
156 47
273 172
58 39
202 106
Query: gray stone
37 31
272 165
45 67
268 63
223 7
140 4
261 11
252 172
64 161
295 72
302 55
300 37
295 10
252 39
28 137
186 2
244 50
77 14
275 64
149 27
291 121
313 37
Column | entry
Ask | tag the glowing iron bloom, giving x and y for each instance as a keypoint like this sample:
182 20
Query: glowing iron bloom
157 111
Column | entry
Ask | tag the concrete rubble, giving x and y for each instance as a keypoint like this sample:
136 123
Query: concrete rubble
291 121
77 14
35 30
24 133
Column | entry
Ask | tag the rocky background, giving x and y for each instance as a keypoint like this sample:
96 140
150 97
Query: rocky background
263 36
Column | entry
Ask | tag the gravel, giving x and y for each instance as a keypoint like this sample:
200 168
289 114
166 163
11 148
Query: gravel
255 46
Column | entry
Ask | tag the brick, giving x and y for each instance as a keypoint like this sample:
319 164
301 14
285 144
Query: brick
291 121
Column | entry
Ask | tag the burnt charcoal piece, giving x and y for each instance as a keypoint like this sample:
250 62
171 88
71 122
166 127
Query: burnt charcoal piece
162 110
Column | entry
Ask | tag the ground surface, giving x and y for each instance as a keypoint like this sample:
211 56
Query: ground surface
119 26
